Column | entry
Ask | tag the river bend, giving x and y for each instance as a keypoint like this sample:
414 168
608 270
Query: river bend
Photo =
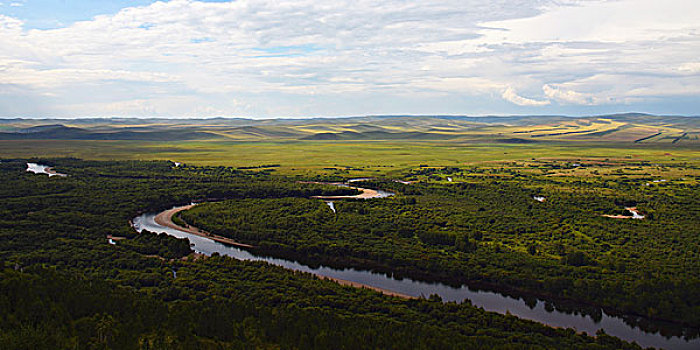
489 301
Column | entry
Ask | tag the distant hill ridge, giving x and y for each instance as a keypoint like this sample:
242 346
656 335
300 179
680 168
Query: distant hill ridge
239 120
61 132
624 127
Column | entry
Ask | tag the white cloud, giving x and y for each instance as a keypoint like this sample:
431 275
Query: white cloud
618 21
568 96
510 95
55 78
10 25
690 67
274 57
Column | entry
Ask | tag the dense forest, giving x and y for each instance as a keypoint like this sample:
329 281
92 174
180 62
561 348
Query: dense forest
64 285
485 228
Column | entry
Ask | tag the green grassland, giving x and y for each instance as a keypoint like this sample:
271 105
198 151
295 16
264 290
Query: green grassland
347 157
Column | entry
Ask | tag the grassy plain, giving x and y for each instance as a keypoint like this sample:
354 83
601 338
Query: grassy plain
347 157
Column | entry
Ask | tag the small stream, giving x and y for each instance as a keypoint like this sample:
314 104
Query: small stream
490 301
331 205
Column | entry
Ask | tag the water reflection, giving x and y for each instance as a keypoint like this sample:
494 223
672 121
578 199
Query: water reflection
530 308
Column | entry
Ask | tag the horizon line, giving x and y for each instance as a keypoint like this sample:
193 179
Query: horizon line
353 116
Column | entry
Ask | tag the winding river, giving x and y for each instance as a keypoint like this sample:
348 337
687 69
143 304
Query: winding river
489 301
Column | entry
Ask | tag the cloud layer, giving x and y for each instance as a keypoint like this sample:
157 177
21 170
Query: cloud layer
309 58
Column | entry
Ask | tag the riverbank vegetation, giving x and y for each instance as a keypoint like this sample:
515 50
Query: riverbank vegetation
63 285
483 227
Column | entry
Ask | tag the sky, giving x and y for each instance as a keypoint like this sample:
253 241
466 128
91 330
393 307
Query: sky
270 59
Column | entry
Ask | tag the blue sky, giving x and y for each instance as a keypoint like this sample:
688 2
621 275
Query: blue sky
304 58
46 14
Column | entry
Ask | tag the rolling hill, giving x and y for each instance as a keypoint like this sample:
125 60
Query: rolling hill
61 132
626 128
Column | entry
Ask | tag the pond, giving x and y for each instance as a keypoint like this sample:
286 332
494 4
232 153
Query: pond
42 169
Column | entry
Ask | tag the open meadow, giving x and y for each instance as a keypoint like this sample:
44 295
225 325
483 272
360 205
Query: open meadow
347 157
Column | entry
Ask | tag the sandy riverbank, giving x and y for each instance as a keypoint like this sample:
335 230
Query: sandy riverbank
635 215
165 218
366 194
360 285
